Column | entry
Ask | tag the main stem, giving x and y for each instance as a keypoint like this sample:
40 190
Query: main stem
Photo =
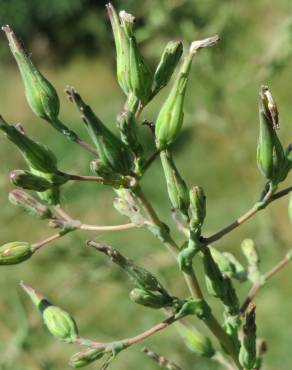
190 279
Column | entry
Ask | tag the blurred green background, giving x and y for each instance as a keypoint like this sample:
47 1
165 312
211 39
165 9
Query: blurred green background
72 43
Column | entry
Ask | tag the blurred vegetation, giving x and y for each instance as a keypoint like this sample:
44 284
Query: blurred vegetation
216 151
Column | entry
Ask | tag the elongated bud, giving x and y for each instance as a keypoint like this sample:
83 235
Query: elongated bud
29 204
40 94
230 299
36 155
112 152
197 207
26 180
170 117
195 341
59 323
15 252
127 126
143 279
148 299
86 357
167 64
224 264
247 353
177 189
270 154
214 279
251 254
140 77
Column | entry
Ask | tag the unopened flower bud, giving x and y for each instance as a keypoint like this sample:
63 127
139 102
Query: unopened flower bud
40 94
247 353
15 252
148 299
214 279
112 152
177 189
37 156
197 207
170 117
27 180
59 323
86 357
29 204
195 341
167 64
270 154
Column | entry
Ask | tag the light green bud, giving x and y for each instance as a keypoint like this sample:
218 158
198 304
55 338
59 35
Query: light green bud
197 207
270 154
36 155
40 94
214 279
252 256
27 180
29 204
167 64
15 252
59 323
195 341
148 299
177 189
240 272
86 357
170 117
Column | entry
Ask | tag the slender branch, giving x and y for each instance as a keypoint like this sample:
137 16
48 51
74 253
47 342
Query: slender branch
128 226
86 146
218 357
255 288
62 213
46 241
98 179
250 213
150 160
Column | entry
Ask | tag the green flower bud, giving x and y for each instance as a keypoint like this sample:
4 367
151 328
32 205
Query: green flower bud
270 154
177 189
214 279
15 252
36 155
26 180
247 353
195 341
230 299
59 323
197 307
197 207
167 64
134 76
148 299
112 152
224 264
86 357
29 204
170 117
39 92
127 126
251 254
